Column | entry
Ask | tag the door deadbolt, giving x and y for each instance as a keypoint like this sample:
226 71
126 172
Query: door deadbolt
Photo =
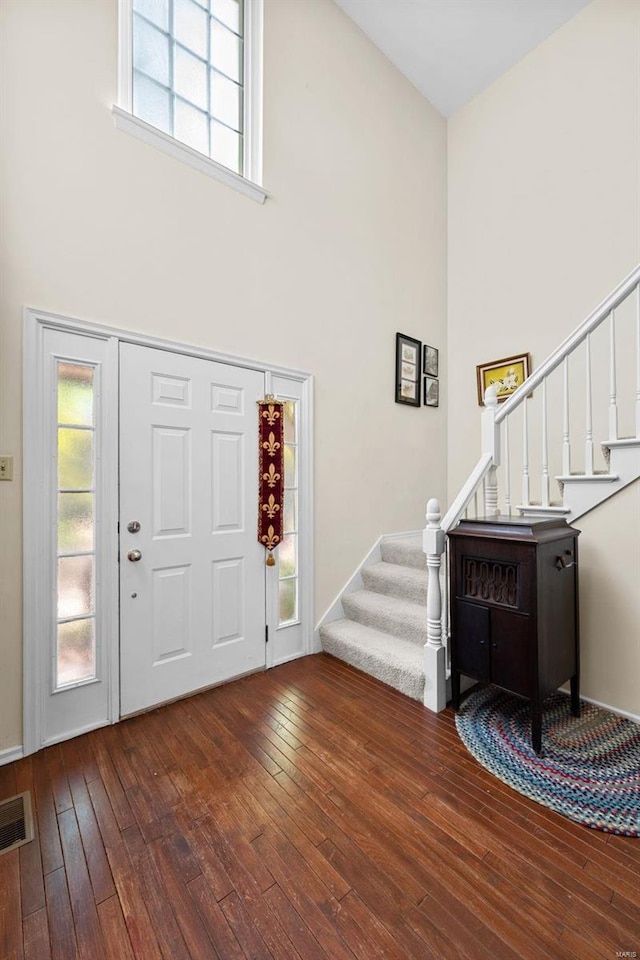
133 526
134 556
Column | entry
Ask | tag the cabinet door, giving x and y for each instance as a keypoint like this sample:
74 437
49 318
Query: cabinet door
512 664
470 640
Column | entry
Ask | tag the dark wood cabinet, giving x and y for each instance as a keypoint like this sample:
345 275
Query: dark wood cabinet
514 609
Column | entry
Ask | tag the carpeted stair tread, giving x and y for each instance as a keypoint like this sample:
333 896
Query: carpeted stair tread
405 551
396 580
396 662
400 618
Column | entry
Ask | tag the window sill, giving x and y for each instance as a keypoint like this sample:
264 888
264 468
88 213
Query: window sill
180 151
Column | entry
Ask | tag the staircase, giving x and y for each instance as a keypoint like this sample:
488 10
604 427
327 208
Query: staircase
392 618
384 629
581 492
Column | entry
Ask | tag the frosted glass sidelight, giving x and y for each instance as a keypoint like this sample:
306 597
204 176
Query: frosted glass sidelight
226 51
76 653
75 459
192 126
75 522
287 556
152 103
289 466
75 393
190 78
75 586
190 24
225 146
229 12
226 101
290 421
288 596
155 10
290 511
150 51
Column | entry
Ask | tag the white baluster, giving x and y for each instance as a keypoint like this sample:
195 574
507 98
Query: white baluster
545 450
613 404
435 694
507 470
491 445
525 455
638 361
491 494
588 445
566 439
475 505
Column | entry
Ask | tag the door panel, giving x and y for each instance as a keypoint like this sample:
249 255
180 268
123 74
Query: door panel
193 605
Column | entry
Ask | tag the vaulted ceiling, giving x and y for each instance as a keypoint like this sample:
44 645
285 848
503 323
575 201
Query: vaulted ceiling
452 49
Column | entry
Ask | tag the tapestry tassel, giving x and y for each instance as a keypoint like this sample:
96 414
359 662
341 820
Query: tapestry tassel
271 560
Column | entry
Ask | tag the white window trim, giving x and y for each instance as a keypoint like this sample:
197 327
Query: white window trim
251 183
287 641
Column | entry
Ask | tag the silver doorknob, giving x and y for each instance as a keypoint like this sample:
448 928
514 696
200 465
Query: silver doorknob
133 526
134 556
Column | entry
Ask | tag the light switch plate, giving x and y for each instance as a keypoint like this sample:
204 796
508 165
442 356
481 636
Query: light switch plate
6 468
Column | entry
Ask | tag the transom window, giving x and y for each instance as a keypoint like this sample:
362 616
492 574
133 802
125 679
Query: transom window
190 84
188 73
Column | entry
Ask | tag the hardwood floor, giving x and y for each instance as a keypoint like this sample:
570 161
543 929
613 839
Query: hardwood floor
310 813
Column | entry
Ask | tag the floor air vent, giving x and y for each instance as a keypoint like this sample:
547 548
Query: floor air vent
16 823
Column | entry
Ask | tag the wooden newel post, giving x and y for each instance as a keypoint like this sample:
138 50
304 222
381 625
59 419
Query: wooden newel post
435 693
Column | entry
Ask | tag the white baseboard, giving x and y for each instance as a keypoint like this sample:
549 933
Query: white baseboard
336 611
635 717
11 754
87 728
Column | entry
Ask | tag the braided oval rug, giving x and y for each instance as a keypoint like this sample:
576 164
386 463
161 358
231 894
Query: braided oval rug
589 770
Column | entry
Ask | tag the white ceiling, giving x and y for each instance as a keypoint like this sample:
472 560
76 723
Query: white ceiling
452 49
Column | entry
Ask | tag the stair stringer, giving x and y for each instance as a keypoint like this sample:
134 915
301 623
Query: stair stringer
582 494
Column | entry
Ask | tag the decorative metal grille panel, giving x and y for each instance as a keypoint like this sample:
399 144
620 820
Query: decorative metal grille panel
490 580
16 823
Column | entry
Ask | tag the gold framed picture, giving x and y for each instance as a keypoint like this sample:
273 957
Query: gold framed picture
509 373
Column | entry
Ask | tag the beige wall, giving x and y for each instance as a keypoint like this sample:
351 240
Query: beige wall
350 248
544 220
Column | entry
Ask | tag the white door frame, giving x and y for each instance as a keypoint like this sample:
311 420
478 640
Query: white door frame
36 566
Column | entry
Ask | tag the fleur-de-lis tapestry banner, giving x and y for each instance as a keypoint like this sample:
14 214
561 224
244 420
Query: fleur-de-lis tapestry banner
271 475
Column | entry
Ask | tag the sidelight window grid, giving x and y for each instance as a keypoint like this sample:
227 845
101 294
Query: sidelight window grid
288 569
176 70
74 651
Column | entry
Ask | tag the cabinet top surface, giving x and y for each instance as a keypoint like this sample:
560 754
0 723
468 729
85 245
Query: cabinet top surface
515 528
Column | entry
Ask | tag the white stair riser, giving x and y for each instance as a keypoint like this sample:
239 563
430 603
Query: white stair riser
582 495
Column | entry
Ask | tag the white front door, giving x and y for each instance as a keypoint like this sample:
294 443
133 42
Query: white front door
192 574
